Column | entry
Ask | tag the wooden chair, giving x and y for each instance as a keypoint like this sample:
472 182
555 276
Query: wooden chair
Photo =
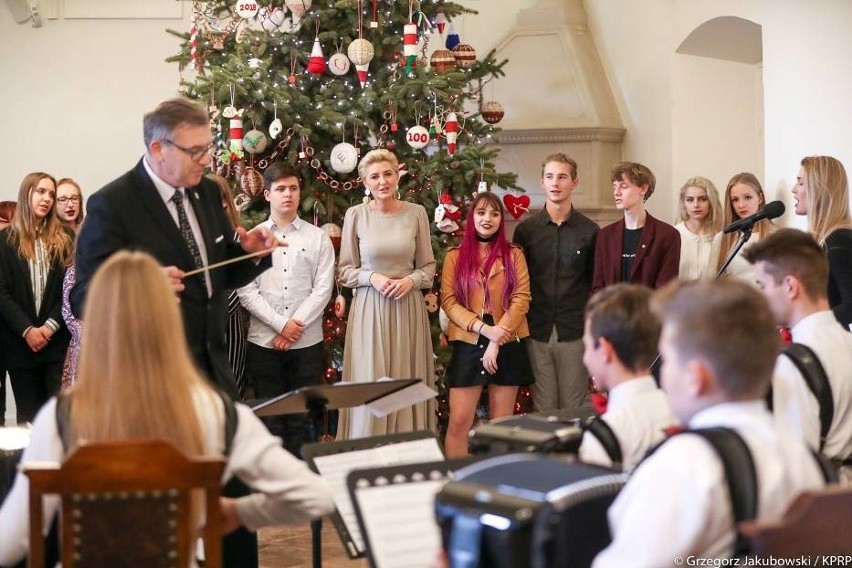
816 523
127 504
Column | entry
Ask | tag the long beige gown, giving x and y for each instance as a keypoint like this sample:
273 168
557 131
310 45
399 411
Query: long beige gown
385 337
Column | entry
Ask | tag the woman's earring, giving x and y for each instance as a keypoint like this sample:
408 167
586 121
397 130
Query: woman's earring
398 194
366 192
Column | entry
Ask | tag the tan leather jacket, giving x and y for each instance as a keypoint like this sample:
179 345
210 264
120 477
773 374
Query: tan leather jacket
463 318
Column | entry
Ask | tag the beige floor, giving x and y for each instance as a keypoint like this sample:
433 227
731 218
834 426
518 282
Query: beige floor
291 548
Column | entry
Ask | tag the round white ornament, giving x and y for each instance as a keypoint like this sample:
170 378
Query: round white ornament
275 128
246 9
255 141
339 64
271 18
361 51
417 137
344 158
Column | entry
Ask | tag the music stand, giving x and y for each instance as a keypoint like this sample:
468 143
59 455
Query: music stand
316 400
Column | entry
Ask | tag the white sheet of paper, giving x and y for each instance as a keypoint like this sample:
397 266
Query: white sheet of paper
401 521
335 467
402 398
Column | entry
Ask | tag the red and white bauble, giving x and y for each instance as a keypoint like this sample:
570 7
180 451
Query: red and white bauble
340 306
417 137
465 56
334 233
451 131
492 112
442 61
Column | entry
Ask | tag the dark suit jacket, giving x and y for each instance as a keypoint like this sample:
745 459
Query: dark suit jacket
129 214
17 309
657 256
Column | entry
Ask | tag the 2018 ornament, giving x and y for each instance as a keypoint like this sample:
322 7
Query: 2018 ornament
417 137
339 64
344 158
465 56
255 141
316 62
492 112
442 61
246 10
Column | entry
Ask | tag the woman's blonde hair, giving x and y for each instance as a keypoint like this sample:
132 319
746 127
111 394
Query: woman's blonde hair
762 228
375 157
25 228
714 218
136 378
828 196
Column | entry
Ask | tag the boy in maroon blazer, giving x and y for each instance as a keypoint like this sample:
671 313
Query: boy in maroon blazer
638 248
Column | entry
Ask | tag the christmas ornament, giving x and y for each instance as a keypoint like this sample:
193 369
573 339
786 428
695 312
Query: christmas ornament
409 40
465 56
246 10
446 214
344 158
451 129
334 233
271 18
452 37
440 22
442 61
431 301
361 70
276 127
361 51
235 134
417 137
251 182
443 320
298 8
340 306
339 64
316 62
255 141
492 112
193 43
516 205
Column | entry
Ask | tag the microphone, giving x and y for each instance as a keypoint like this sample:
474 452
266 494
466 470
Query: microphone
770 211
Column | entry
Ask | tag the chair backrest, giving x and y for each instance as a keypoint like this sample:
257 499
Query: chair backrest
816 523
128 504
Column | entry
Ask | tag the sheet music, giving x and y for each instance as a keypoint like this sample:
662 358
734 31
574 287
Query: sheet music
401 521
402 398
335 467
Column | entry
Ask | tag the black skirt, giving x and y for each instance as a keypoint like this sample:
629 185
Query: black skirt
466 369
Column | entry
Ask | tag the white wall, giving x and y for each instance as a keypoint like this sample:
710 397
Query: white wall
74 92
717 117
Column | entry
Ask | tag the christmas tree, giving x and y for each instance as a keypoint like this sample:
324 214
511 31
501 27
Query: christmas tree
318 83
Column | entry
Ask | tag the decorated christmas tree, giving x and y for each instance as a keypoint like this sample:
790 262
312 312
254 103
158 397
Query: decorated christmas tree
318 83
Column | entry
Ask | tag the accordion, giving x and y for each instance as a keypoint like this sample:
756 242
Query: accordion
526 511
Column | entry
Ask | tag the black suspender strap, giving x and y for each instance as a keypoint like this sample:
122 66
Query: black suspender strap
602 431
814 374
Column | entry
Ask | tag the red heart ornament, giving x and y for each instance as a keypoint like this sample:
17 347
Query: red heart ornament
516 205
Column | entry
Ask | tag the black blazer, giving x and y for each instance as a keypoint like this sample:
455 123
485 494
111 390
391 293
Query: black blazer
17 309
130 214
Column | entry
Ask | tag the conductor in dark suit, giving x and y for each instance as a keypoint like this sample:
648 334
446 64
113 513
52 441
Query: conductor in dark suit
165 206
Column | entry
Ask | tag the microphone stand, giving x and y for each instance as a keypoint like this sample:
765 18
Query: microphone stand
745 235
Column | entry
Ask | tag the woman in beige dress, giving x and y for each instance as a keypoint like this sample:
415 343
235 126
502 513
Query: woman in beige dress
386 258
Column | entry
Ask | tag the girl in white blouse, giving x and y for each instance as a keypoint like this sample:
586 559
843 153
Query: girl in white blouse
700 222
